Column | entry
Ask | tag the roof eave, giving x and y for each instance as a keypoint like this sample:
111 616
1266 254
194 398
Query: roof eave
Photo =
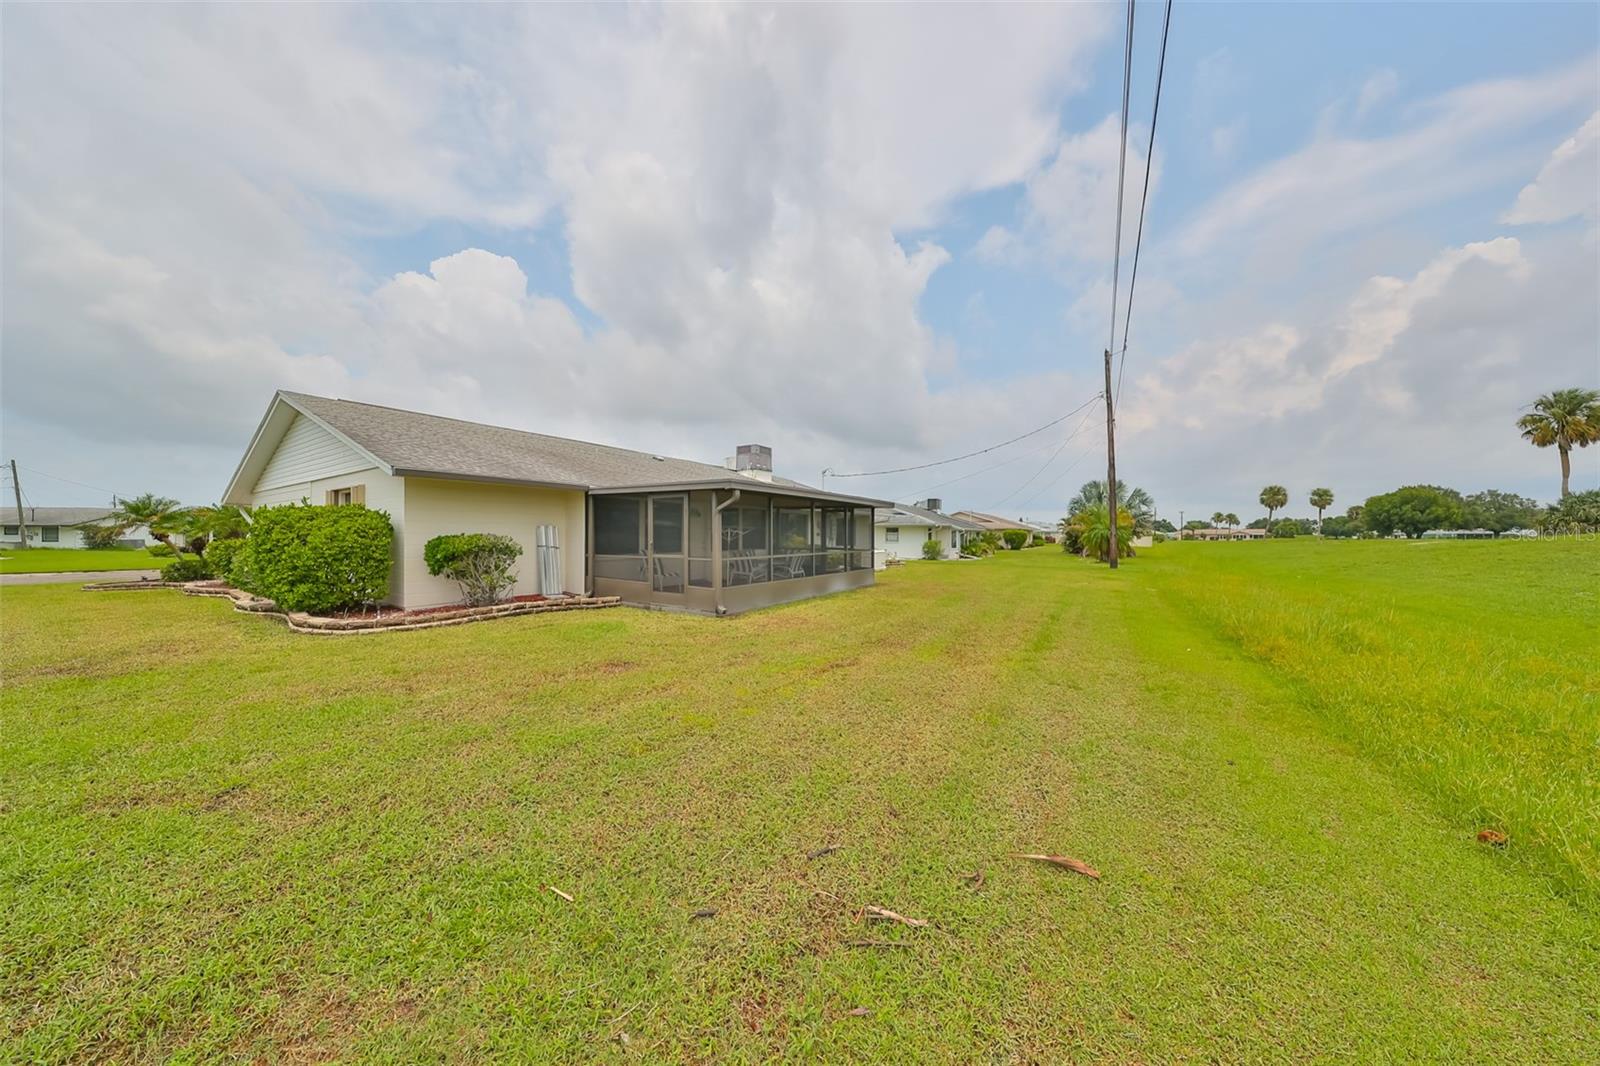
745 484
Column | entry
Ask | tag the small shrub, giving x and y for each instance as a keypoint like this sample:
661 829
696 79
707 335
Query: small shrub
222 554
1285 527
101 537
481 563
982 545
317 559
1158 538
932 549
160 550
1015 538
186 570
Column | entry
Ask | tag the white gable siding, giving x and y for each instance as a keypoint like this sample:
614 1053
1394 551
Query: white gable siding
308 452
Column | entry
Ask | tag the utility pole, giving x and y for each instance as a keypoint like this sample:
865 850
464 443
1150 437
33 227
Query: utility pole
22 519
1111 462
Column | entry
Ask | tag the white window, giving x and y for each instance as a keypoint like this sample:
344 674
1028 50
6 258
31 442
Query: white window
347 496
891 535
50 534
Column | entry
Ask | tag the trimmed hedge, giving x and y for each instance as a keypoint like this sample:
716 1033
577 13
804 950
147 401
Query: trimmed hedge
479 562
317 559
1015 539
221 554
186 570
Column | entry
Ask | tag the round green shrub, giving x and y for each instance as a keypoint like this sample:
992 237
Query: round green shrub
160 550
932 549
186 570
481 563
317 559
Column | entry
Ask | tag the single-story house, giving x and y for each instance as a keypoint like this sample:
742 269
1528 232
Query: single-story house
900 531
654 530
1254 533
57 527
997 524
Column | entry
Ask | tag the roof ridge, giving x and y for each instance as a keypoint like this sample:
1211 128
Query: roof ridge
492 425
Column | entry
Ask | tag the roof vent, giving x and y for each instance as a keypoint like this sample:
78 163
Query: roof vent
932 503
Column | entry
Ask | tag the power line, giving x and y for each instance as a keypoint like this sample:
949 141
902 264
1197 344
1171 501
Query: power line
69 481
1144 197
1122 166
1057 480
980 451
1045 465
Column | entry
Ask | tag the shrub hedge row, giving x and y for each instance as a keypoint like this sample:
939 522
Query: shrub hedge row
316 559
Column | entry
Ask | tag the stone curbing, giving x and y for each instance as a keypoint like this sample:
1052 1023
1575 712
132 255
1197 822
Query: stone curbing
322 625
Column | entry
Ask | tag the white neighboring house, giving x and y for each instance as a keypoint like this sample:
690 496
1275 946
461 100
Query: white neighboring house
56 527
900 531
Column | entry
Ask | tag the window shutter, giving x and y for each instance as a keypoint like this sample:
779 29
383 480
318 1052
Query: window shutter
358 495
330 497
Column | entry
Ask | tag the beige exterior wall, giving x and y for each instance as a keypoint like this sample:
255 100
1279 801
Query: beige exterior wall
435 506
382 492
910 543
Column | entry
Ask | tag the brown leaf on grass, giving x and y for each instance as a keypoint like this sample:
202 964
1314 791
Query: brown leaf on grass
705 912
828 849
1066 862
859 1012
881 914
976 877
560 893
1492 837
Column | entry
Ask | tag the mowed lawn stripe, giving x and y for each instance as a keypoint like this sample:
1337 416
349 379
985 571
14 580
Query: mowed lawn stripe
245 842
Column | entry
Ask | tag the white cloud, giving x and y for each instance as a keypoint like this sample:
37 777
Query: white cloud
728 182
1378 88
1568 185
1338 184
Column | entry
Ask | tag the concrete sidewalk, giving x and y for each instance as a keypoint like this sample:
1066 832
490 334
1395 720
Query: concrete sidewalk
79 577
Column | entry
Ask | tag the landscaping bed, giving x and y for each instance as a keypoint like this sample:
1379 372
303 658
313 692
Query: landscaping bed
367 621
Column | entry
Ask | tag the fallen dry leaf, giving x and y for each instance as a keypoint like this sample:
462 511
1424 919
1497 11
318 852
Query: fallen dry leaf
560 893
976 877
859 1012
882 914
820 852
1493 837
1065 861
705 912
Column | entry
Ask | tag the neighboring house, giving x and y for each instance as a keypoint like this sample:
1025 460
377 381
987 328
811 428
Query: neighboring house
996 524
901 530
57 527
1225 534
654 530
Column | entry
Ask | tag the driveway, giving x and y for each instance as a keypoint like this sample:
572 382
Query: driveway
80 577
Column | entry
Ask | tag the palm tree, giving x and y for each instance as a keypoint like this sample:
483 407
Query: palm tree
1092 527
1136 501
158 514
1232 520
1272 498
1217 518
1565 418
1321 499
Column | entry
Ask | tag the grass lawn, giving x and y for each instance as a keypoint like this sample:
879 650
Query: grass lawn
58 560
226 840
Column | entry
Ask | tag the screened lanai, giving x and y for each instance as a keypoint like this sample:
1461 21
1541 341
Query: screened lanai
726 549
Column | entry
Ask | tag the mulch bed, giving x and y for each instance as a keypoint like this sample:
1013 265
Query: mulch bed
370 621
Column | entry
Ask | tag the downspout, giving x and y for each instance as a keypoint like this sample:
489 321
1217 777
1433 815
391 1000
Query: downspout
716 545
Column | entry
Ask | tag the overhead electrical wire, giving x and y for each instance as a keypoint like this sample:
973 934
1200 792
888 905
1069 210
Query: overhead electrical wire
1122 167
1144 198
69 481
1045 465
980 451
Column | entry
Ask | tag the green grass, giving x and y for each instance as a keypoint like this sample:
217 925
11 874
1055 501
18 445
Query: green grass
223 840
38 560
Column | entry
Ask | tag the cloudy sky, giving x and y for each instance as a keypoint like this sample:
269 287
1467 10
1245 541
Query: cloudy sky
868 236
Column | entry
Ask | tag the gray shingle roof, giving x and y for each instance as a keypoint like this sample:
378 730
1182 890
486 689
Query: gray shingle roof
908 515
421 444
53 516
